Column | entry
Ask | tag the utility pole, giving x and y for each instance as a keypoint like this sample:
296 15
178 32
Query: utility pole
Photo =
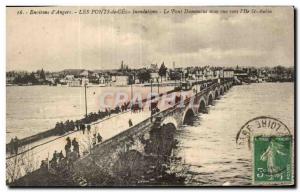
151 81
85 99
131 91
199 83
157 85
196 83
180 79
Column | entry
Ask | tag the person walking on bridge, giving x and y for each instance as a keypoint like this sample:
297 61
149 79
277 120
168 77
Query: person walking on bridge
99 138
60 156
75 146
11 146
130 123
55 156
53 162
16 145
88 128
82 128
68 146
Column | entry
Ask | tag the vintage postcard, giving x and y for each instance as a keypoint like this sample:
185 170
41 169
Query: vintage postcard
120 96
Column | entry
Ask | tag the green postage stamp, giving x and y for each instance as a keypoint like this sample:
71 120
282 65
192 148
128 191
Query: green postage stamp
273 157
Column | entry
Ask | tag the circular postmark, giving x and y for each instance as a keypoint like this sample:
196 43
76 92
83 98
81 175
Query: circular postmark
262 125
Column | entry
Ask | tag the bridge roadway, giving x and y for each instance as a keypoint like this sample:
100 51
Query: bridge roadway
29 159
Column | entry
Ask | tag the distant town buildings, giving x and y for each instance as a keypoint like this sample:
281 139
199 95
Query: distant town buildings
155 73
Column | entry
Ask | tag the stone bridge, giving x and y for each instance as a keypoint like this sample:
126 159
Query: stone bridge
125 153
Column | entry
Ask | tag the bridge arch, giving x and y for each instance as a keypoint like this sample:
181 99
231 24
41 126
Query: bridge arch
216 93
210 98
222 90
202 106
188 116
170 120
169 126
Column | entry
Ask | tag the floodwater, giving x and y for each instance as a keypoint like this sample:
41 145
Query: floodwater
208 151
33 109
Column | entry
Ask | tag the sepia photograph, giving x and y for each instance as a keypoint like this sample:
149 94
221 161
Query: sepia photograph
150 96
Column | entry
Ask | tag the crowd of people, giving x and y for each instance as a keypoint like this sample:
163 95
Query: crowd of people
71 151
69 144
96 139
136 108
64 127
79 125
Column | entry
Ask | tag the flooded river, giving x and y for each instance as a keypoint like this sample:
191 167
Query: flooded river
208 151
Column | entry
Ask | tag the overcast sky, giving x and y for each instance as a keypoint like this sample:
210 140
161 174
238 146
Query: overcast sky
103 41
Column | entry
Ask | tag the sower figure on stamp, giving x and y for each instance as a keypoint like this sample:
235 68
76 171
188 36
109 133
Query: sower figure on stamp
270 154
